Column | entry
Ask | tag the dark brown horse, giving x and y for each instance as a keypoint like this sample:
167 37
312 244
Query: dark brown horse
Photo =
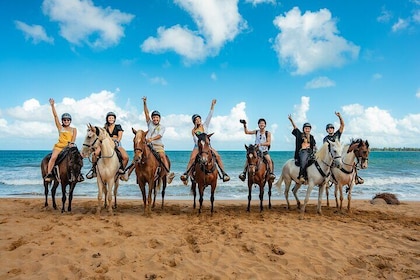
149 170
66 171
205 170
257 175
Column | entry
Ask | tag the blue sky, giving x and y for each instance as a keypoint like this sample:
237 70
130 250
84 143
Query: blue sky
259 59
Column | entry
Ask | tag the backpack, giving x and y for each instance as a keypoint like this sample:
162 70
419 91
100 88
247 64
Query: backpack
266 136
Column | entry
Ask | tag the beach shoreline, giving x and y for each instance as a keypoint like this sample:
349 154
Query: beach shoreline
375 241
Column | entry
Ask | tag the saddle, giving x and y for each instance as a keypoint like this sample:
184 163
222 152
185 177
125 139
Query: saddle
62 155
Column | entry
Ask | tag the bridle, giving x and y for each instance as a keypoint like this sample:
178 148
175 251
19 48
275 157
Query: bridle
329 165
205 156
253 160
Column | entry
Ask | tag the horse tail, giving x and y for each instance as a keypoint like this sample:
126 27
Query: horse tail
279 182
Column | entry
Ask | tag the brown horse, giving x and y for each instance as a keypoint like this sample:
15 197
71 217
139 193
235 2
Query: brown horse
66 171
257 175
149 169
205 169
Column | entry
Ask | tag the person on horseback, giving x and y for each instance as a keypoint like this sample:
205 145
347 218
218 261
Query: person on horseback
263 141
302 152
330 130
66 138
154 136
116 132
200 127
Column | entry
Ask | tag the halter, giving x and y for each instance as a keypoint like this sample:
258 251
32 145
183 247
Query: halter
254 154
207 161
333 158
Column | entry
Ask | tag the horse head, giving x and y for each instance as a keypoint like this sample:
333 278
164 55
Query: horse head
361 151
331 149
140 145
252 158
91 140
204 149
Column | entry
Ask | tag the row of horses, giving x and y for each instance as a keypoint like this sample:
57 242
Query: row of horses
332 163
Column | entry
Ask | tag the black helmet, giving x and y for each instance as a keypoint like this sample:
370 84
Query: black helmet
330 125
306 125
262 120
194 117
110 114
155 113
66 116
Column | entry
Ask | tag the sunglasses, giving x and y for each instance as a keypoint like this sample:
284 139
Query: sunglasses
66 120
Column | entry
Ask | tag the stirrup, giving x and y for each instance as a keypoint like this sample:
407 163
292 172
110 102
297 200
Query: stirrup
91 174
170 177
226 177
242 176
48 178
359 180
272 176
121 171
80 178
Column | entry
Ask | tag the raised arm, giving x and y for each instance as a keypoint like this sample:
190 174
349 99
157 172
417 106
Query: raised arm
210 114
246 129
341 129
291 120
56 119
145 109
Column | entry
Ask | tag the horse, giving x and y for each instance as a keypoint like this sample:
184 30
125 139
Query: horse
107 165
257 175
149 169
205 171
318 173
356 150
66 171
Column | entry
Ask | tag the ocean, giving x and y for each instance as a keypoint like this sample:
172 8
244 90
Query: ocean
394 172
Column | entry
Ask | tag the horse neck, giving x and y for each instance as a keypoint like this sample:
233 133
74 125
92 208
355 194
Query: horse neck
107 147
324 157
348 158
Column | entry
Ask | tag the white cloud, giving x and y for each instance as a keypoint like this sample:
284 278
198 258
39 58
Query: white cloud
213 76
320 82
159 80
300 110
217 22
416 16
34 32
418 93
310 41
377 76
400 25
83 22
385 16
258 2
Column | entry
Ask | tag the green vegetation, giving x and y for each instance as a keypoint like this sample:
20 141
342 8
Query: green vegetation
404 149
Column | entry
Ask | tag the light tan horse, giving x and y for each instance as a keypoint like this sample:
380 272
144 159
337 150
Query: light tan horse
356 150
107 164
149 170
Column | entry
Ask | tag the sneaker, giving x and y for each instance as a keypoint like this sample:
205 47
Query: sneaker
80 178
124 177
91 174
301 179
170 177
121 171
359 180
242 176
272 176
226 177
48 178
184 178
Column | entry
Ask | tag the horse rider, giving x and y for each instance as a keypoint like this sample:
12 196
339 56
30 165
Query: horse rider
200 127
115 131
66 138
263 142
302 152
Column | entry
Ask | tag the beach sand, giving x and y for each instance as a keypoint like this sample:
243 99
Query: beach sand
374 242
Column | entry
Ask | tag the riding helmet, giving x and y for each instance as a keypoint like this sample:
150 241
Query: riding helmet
110 114
306 125
194 117
66 116
155 113
330 125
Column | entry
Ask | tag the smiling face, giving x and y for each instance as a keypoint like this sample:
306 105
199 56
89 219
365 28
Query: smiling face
110 120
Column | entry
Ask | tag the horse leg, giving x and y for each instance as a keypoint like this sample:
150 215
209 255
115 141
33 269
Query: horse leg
341 197
201 193
46 193
116 185
53 192
261 197
213 189
286 194
295 190
349 197
143 193
164 183
308 193
154 193
110 186
72 186
336 189
320 194
270 184
100 194
249 195
63 197
194 191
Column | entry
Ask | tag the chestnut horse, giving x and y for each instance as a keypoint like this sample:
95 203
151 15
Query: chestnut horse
357 150
149 170
318 174
205 170
66 171
107 165
257 175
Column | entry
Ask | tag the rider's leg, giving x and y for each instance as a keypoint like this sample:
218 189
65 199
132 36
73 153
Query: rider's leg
242 176
302 166
48 177
193 155
270 166
358 179
219 161
92 172
124 159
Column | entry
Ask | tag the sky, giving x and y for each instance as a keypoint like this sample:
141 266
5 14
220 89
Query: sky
257 58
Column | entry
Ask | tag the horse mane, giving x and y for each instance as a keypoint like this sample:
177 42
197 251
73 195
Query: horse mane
322 152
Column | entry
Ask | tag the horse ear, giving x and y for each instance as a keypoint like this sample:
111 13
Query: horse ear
210 135
134 131
246 147
97 131
367 143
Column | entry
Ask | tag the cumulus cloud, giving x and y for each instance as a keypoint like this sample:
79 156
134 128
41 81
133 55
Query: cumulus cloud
320 82
310 41
300 110
258 2
418 93
217 22
83 22
34 32
400 25
385 16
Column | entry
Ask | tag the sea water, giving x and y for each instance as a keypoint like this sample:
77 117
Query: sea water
394 172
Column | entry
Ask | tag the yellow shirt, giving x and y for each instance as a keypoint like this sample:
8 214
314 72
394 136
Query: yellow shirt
64 138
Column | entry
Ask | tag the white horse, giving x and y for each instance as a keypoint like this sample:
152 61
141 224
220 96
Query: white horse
107 164
357 149
318 173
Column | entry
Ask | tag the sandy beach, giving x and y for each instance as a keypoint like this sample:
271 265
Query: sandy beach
374 242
